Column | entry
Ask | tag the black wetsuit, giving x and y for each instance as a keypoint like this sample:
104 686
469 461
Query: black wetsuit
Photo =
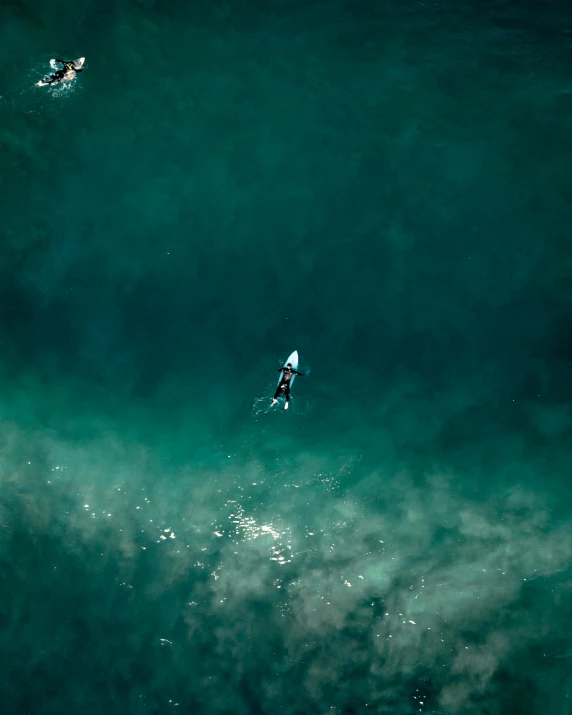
60 74
284 384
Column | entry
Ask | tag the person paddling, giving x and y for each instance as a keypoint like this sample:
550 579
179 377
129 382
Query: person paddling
283 389
66 74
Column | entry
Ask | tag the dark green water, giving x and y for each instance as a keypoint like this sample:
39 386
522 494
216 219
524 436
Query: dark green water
385 187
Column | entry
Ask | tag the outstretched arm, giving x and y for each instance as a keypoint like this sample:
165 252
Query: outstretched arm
298 373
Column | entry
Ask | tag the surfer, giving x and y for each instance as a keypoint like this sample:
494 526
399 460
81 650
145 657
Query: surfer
283 388
67 73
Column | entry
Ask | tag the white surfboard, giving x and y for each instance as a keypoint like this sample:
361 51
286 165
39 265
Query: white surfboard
293 360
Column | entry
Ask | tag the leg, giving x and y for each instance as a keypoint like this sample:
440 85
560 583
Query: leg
56 77
277 394
287 396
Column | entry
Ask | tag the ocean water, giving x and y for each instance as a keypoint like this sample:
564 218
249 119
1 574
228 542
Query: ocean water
385 187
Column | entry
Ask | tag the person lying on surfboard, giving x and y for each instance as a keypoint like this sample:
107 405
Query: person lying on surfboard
283 388
67 73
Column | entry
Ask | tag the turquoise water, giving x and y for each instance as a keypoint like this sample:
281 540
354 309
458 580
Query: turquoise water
383 187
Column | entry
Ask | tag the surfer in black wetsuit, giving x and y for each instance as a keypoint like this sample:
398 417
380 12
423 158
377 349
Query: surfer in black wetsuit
68 72
283 388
